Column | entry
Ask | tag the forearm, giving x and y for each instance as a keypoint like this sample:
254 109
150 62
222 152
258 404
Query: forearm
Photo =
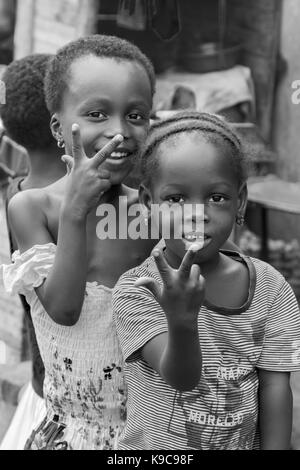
275 416
180 364
62 293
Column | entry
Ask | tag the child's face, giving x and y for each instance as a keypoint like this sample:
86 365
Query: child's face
105 98
193 171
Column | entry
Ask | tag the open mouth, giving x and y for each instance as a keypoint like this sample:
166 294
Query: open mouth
194 237
119 155
195 240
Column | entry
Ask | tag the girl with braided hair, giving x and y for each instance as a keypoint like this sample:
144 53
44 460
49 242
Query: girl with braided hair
209 336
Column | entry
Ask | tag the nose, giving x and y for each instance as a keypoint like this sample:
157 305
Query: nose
117 125
195 217
196 212
200 215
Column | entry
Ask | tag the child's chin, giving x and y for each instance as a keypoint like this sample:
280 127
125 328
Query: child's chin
119 177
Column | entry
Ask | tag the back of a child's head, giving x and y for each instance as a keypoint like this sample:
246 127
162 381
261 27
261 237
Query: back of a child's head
97 45
25 115
210 127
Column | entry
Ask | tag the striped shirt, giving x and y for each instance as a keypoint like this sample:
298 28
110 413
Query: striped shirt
222 411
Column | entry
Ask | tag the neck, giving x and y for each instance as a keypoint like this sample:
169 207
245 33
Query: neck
113 194
45 167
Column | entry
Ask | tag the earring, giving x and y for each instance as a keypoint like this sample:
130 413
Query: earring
60 143
240 219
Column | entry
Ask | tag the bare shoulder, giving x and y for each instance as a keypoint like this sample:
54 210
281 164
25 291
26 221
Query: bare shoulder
27 201
27 218
40 200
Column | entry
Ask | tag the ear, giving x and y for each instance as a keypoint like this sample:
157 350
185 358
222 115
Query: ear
145 198
242 199
56 127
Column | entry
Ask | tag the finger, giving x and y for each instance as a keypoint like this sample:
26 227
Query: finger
104 153
7 171
77 147
162 266
195 273
188 261
150 284
69 162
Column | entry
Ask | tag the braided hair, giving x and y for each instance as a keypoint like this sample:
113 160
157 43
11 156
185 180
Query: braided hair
213 128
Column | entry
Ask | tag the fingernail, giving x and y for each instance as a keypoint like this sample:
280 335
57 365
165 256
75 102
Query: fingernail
119 137
75 127
195 247
155 254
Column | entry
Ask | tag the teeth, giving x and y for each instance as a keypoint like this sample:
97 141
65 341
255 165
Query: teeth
118 155
194 236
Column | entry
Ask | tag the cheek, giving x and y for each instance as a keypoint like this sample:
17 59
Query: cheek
140 134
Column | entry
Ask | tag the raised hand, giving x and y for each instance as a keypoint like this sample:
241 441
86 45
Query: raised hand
87 181
183 290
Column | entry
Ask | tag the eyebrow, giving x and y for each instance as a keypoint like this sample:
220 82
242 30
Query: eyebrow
212 186
106 101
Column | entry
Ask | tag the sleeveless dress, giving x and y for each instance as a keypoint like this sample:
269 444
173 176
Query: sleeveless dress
84 385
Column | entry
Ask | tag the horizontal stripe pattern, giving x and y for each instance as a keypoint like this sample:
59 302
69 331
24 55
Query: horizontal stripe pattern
221 412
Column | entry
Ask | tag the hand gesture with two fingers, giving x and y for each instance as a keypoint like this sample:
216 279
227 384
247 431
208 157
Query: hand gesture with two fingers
183 290
87 181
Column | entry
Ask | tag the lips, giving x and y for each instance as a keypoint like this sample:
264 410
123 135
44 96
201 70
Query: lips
195 240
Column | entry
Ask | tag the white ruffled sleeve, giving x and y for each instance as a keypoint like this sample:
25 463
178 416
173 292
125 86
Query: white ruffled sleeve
29 269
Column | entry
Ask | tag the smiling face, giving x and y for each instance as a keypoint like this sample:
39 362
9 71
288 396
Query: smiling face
106 97
193 172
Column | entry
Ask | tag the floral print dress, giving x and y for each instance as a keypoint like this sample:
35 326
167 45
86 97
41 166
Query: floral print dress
84 384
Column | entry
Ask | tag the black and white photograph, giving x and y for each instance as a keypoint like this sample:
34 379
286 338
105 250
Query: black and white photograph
150 227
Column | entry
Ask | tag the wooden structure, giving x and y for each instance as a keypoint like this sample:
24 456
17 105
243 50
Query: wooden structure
45 25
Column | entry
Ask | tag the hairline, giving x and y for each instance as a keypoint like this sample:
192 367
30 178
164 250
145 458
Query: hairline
67 74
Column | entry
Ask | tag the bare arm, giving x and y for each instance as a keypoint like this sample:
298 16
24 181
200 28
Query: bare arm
62 293
58 294
275 410
176 355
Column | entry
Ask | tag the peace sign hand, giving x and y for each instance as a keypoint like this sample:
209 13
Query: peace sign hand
183 290
87 182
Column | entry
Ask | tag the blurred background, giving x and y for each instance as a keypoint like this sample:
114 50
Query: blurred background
232 57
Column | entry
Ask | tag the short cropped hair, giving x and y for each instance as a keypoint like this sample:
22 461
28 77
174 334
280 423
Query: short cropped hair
98 45
25 115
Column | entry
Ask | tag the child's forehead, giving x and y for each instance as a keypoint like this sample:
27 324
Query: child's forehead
185 151
94 66
92 75
186 140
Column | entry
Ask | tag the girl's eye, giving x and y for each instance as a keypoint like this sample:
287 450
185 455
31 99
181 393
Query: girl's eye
96 115
217 198
175 199
135 116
